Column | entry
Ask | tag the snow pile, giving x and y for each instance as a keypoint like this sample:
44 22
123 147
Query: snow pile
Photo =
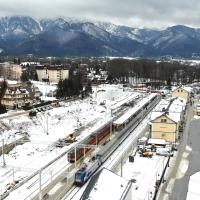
45 88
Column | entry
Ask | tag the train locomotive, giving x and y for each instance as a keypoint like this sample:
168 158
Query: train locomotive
86 170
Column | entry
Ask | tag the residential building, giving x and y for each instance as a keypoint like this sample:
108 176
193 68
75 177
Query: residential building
183 92
10 71
33 90
53 73
15 96
167 119
18 98
82 70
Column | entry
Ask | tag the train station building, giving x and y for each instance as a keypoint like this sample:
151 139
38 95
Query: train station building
167 119
183 92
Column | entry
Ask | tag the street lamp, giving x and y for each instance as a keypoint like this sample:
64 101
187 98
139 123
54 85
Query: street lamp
47 130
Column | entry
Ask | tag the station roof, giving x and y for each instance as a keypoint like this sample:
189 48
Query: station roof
103 184
133 110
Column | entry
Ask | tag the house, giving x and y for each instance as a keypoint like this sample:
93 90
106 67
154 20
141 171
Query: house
15 96
167 119
107 185
33 90
183 92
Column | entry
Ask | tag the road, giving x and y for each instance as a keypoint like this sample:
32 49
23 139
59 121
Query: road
14 114
187 161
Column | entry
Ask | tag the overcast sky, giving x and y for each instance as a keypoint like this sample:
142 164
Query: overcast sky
135 13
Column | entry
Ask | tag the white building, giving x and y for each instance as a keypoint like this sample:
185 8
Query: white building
52 73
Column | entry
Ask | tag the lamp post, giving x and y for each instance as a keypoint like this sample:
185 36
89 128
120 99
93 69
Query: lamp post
40 184
47 131
47 125
3 155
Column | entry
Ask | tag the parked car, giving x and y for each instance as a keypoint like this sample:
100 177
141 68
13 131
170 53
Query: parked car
32 113
164 152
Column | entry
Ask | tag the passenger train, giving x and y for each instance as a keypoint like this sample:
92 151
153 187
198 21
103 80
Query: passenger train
98 137
120 126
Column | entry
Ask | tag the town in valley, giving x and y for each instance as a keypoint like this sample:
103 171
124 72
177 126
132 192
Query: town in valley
99 100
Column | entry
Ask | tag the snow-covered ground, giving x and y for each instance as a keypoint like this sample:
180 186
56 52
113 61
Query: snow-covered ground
49 126
45 89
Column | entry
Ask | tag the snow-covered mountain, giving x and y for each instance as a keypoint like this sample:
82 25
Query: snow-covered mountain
22 35
18 25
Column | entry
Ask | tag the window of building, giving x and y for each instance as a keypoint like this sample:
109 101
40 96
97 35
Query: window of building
163 135
163 120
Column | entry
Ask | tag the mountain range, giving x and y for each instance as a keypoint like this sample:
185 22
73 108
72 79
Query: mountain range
71 37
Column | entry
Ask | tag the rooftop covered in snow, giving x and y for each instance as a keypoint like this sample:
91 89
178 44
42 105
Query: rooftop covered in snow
172 107
186 88
107 185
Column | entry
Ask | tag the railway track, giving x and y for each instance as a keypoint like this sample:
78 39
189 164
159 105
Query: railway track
72 193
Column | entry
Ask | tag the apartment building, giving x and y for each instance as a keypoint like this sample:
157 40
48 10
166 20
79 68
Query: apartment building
10 71
53 73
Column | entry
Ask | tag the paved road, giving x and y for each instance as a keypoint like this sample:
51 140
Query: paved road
14 114
179 191
187 162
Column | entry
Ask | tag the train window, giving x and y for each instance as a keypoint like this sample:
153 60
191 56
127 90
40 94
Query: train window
119 127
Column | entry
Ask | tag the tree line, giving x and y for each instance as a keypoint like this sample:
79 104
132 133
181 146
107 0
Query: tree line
121 69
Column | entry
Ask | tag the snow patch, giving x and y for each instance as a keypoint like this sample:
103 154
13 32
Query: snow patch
182 168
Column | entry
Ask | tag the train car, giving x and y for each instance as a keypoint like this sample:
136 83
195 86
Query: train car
86 170
97 137
134 115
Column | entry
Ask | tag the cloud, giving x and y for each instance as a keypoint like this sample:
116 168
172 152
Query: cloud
137 13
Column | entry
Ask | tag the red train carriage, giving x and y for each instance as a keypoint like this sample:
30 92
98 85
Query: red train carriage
96 138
